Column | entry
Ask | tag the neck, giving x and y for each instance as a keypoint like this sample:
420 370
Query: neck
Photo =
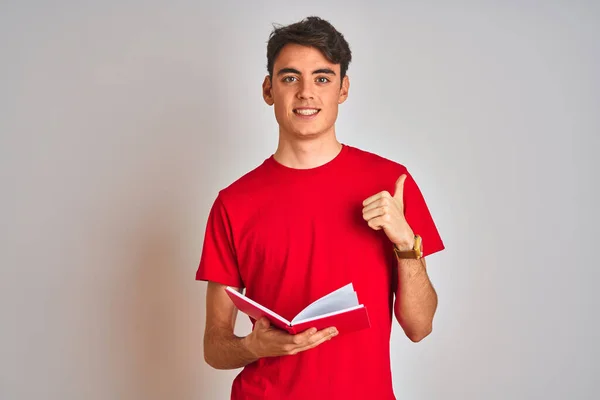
309 153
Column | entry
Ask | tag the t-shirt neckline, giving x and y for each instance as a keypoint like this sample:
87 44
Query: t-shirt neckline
305 171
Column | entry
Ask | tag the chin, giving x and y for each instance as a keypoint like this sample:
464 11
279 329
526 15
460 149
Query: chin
307 134
308 131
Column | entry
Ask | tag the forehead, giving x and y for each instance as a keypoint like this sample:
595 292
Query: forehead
302 58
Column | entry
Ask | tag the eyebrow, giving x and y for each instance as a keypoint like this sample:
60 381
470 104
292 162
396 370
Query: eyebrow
295 71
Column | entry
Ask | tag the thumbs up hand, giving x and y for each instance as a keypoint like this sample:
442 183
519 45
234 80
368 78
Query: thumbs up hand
384 211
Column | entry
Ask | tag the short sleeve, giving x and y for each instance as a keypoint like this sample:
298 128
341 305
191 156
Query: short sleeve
419 218
218 262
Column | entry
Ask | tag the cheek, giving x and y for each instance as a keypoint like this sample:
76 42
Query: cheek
281 113
280 109
331 115
281 103
332 108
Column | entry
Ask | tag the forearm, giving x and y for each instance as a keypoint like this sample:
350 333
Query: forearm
224 350
416 300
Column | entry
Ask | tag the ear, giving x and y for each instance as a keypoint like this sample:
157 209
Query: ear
344 89
267 91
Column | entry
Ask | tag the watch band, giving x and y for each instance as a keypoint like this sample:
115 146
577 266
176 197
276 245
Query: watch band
416 253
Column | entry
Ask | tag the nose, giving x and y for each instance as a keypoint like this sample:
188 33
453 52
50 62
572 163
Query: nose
305 90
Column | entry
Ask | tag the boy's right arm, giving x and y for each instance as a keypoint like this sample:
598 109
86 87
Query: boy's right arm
224 350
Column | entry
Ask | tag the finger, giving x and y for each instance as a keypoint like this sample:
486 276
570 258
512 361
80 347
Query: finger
374 213
262 323
310 336
304 337
378 223
399 192
317 337
383 201
314 344
377 196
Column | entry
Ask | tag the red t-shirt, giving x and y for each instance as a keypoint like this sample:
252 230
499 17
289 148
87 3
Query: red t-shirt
290 236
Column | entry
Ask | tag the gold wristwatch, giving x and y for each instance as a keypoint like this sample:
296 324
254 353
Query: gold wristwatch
416 253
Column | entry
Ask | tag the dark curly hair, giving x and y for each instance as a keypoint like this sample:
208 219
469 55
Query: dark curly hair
313 32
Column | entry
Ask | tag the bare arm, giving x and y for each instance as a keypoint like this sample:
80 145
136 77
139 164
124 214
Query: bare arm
224 350
416 299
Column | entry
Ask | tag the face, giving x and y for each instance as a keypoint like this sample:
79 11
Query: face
305 91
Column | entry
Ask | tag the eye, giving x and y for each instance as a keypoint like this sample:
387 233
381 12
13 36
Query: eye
323 79
289 79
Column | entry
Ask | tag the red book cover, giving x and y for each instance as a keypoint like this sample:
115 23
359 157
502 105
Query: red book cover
339 308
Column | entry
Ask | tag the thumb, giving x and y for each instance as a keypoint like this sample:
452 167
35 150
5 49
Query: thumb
399 191
262 323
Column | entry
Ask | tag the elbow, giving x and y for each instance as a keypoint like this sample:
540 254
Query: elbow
417 335
205 349
416 330
208 359
211 362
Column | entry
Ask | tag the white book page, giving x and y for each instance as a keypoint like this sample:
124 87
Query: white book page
340 299
327 315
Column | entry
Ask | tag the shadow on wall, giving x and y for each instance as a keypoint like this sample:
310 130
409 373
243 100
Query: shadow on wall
164 307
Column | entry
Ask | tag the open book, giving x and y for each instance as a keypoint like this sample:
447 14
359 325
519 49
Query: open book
339 308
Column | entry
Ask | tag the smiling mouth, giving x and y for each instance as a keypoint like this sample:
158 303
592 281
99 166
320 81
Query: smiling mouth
306 111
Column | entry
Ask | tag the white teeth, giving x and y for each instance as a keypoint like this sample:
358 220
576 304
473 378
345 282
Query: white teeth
307 111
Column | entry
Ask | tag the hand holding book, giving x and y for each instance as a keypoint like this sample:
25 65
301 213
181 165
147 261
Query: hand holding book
269 341
339 309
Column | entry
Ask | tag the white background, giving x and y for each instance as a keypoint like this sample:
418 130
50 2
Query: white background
120 121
